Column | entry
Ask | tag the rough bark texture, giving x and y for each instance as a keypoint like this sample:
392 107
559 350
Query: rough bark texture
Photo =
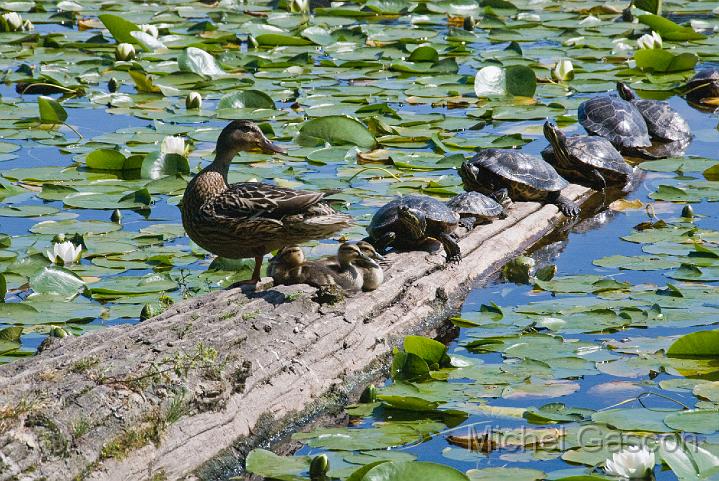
160 399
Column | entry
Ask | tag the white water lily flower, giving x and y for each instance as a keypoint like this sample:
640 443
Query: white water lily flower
124 51
149 29
173 145
13 19
148 40
621 45
489 81
573 42
564 70
631 463
589 21
65 253
528 17
650 41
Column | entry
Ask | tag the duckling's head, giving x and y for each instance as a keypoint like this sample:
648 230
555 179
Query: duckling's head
244 136
369 250
351 254
290 256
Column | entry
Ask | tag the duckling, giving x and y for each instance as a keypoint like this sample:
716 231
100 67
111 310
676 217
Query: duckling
251 219
290 267
371 271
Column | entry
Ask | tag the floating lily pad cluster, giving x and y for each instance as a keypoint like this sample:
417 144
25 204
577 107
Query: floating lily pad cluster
373 98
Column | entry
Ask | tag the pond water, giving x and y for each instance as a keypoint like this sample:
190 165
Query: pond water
589 341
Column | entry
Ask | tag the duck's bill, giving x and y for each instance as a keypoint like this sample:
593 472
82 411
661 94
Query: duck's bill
365 261
271 148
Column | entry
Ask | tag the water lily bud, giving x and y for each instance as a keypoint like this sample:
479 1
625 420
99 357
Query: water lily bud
116 216
150 30
124 51
650 41
564 70
113 85
299 6
13 20
58 238
193 101
369 395
319 466
56 331
468 23
27 26
519 270
688 212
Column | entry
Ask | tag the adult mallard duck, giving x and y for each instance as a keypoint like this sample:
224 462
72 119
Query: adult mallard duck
251 219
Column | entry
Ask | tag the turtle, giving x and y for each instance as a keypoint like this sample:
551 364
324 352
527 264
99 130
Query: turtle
586 160
703 86
616 120
663 122
475 208
516 175
407 222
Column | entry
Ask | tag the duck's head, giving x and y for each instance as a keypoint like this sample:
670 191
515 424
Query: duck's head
244 136
369 250
289 256
352 254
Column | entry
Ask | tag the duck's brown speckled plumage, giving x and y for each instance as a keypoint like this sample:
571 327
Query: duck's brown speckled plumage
250 219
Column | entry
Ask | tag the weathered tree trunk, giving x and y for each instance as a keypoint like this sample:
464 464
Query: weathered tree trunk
159 399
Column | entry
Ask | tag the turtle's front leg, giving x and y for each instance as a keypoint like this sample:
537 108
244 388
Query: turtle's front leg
451 247
566 206
468 222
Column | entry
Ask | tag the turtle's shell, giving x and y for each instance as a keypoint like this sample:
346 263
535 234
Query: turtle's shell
616 120
663 122
440 218
592 152
703 85
525 175
475 204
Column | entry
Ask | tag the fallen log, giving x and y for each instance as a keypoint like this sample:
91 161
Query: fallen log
191 390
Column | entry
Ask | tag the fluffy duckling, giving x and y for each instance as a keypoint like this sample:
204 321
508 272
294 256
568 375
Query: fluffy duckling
369 268
290 267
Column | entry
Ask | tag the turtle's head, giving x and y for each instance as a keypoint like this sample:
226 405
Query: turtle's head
553 134
469 174
290 256
413 220
369 250
350 253
624 91
243 136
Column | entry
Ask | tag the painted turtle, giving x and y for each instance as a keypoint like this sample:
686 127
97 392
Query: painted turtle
589 161
500 173
475 208
616 120
407 222
663 122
